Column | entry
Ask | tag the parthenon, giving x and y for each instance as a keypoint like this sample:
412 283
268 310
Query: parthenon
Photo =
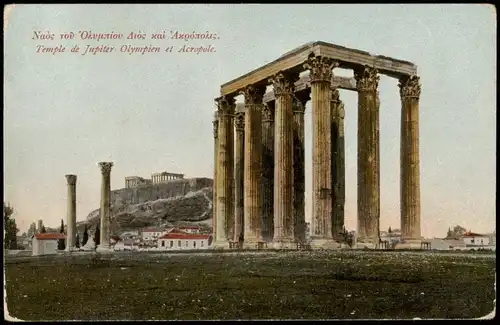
156 178
164 177
259 183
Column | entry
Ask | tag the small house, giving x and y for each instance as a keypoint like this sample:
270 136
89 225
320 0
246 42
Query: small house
179 240
475 240
45 243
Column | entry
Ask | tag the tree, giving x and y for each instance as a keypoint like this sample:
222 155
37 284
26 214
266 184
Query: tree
85 236
456 232
10 227
390 230
31 230
77 244
61 245
43 230
97 236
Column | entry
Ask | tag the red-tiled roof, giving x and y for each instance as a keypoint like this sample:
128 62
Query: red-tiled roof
116 238
49 235
172 235
472 234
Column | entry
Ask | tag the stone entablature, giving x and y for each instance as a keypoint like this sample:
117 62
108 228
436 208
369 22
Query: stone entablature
346 57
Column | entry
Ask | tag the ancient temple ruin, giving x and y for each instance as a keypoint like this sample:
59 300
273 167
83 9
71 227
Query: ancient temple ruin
259 189
156 178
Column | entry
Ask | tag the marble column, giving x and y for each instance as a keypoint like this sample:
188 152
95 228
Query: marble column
253 163
267 178
239 157
71 213
225 173
299 189
320 76
215 124
368 155
338 164
105 214
410 161
283 83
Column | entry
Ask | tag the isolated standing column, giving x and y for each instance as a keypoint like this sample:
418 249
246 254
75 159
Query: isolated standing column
71 213
105 214
410 161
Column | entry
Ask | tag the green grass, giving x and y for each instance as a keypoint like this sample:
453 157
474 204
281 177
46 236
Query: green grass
286 285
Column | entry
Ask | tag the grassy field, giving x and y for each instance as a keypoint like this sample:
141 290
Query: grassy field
285 285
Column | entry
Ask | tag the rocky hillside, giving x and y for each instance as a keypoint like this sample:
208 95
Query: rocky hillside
182 201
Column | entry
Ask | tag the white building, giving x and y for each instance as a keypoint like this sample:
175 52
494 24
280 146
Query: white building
45 243
148 234
475 240
179 240
190 229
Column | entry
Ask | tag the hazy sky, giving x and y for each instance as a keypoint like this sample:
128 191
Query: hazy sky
149 113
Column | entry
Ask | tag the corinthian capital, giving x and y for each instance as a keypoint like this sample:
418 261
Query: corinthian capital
409 87
283 83
225 105
253 94
239 121
267 113
71 179
366 78
105 167
320 67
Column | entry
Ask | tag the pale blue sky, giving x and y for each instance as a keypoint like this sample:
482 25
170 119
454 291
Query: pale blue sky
64 113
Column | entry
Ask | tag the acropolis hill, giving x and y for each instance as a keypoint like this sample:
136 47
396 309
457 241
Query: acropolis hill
155 204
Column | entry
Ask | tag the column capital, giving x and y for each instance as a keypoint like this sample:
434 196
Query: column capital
366 78
71 179
239 121
105 167
320 67
409 87
267 113
253 93
225 105
284 83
